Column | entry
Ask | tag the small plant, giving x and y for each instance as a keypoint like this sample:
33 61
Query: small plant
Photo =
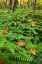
20 38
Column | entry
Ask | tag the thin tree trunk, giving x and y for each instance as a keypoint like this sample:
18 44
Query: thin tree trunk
28 3
6 1
34 4
15 4
10 4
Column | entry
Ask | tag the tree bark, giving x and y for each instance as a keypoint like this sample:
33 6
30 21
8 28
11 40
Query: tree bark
34 4
10 4
6 1
15 4
28 3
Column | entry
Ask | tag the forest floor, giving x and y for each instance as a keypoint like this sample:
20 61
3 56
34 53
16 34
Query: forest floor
21 37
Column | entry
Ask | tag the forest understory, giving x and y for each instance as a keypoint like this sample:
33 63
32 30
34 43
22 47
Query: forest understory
21 36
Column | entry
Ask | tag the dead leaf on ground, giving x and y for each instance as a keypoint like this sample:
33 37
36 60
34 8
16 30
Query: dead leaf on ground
5 31
27 13
30 20
33 51
2 61
20 43
34 23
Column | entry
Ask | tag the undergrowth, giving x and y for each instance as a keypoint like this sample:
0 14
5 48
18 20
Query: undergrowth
21 29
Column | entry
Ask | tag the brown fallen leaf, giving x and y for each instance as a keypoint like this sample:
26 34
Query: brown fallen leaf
27 13
20 44
5 31
34 23
2 61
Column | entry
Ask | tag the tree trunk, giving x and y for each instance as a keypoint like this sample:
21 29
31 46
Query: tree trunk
15 4
6 1
34 4
28 3
10 4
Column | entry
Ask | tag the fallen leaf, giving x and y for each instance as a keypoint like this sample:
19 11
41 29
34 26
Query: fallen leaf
2 61
5 31
20 44
34 23
30 20
39 14
33 51
26 14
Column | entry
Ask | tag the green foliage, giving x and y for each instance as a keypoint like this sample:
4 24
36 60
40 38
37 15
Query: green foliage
20 30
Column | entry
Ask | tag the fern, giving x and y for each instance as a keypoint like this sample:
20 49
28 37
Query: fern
29 35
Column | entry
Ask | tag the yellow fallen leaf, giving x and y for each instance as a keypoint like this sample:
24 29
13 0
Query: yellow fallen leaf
33 51
34 23
30 20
